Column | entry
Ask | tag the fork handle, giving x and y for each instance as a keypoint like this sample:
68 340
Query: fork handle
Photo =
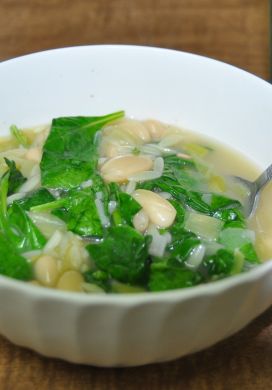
265 177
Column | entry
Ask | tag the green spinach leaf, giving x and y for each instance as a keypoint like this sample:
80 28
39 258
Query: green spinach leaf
123 254
164 276
80 212
232 217
70 152
22 231
219 265
180 216
36 198
183 242
173 161
79 208
17 234
12 264
226 262
15 224
126 209
100 278
16 179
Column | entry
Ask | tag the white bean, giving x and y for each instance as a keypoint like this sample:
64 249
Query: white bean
159 210
156 129
70 281
135 130
46 270
109 149
119 169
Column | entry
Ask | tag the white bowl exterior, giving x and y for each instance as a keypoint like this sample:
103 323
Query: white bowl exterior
184 89
128 331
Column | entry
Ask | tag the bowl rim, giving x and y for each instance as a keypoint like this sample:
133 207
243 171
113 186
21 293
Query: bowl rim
210 288
205 289
120 46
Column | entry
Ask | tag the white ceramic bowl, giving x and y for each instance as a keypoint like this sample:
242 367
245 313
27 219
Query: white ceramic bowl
198 93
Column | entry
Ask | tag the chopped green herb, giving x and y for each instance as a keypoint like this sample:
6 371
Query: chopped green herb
19 135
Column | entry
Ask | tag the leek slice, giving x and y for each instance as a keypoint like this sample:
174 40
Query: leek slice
235 238
203 226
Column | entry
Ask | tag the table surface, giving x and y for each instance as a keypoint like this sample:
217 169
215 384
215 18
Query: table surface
235 31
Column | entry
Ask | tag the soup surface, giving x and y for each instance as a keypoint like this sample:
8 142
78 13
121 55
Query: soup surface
110 204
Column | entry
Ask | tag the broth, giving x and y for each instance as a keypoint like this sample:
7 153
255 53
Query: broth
109 204
228 161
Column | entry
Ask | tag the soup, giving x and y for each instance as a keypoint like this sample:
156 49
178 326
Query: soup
110 205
